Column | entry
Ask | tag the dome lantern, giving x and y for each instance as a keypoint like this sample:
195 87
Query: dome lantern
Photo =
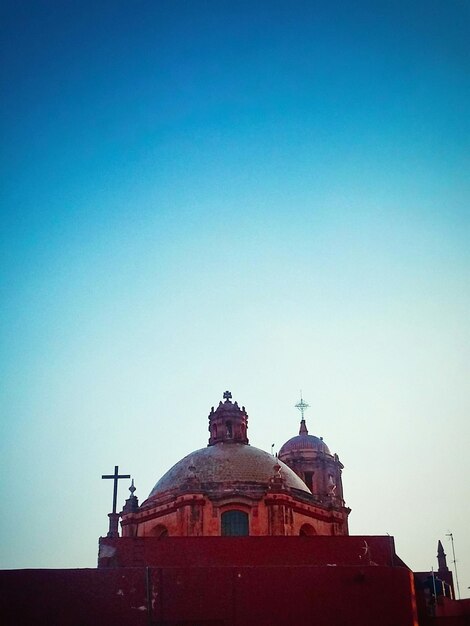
228 423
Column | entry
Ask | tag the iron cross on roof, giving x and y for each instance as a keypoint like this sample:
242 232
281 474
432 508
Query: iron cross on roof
116 476
302 406
227 395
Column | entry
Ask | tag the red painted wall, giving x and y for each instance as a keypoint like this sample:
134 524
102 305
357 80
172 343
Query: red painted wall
229 596
72 597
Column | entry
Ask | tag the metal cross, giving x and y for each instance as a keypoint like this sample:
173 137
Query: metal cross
302 406
116 476
227 395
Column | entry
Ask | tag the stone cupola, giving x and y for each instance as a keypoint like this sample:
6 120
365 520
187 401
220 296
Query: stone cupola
228 423
312 461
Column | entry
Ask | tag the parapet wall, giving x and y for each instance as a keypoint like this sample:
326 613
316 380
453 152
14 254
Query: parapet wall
248 551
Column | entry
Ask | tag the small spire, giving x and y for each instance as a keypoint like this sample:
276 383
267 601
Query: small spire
441 558
132 502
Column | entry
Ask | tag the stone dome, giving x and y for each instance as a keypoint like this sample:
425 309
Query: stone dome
303 442
230 488
226 467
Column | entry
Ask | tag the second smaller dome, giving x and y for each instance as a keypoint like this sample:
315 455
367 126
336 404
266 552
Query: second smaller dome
304 442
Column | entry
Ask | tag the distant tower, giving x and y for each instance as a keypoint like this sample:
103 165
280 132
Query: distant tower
312 461
441 558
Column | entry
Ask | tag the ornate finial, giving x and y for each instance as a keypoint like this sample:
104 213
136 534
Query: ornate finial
132 502
302 406
277 480
227 395
191 471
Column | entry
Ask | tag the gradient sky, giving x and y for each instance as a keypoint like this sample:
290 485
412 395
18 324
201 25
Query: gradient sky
255 196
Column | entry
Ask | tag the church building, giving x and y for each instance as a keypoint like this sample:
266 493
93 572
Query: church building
231 488
234 536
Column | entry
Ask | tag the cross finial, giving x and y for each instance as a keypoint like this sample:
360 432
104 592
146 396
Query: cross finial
227 395
114 516
115 477
302 406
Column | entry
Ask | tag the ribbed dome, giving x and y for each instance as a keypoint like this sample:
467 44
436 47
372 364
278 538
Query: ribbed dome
303 442
219 466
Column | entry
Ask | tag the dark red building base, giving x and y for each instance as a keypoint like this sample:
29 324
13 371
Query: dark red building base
209 581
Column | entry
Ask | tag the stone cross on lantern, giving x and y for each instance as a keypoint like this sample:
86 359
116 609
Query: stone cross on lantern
114 517
227 395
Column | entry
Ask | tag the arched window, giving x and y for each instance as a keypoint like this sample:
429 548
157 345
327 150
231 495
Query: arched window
235 524
159 531
228 426
306 530
308 480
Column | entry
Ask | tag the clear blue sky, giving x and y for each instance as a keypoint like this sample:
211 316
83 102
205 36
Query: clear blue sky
259 196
